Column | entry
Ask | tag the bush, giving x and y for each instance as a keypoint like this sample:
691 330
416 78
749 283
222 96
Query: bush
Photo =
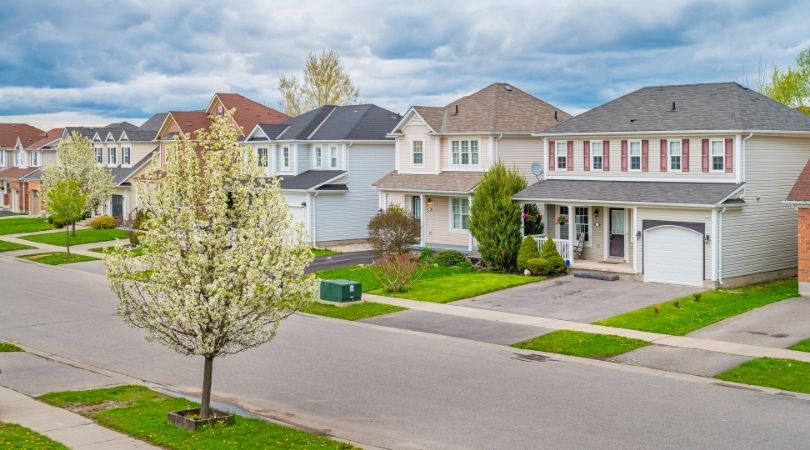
135 237
537 265
426 254
56 222
528 250
396 272
390 232
102 222
139 222
449 258
554 263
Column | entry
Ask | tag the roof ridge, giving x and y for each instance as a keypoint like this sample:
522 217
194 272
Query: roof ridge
360 120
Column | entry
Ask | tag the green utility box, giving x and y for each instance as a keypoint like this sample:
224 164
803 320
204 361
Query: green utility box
341 290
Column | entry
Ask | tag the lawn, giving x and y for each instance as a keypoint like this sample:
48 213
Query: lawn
801 346
316 252
87 236
356 311
24 225
6 246
6 347
16 436
777 373
141 413
578 343
137 251
434 284
684 315
56 258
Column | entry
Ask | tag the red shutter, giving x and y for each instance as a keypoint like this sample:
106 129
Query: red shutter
606 156
645 155
663 155
729 155
586 152
570 159
624 155
551 157
685 155
704 157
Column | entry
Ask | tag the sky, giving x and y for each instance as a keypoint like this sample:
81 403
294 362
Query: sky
94 62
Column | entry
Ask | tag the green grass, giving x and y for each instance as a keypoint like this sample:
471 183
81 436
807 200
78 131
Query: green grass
578 343
141 413
684 315
777 373
57 258
801 346
16 436
137 251
24 225
357 311
316 252
6 347
6 246
87 236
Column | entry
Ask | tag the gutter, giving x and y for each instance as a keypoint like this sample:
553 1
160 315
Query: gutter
671 132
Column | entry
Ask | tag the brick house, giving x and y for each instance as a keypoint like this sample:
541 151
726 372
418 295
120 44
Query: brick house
799 198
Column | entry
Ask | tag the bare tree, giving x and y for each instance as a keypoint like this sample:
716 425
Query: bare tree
325 82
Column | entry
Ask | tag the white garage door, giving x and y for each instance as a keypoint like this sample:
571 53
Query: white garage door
299 213
673 255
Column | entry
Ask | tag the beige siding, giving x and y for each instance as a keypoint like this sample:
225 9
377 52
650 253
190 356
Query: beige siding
396 198
594 248
675 215
416 129
761 236
438 224
521 153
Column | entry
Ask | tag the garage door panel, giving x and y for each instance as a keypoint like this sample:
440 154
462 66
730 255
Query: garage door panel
673 255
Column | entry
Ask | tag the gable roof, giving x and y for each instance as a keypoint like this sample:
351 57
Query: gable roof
800 192
449 181
116 130
45 138
249 113
187 121
153 123
330 123
121 175
707 106
310 179
9 132
498 108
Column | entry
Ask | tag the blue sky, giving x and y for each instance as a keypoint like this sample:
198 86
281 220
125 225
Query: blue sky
93 62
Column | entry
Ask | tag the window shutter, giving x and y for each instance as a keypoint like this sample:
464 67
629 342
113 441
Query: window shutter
645 155
606 156
663 155
624 155
704 157
685 155
570 160
552 159
586 152
729 155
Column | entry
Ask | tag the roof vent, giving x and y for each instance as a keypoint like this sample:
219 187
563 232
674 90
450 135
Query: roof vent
456 111
507 88
555 116
189 124
673 107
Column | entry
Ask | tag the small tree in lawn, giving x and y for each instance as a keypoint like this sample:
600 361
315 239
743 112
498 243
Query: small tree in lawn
226 261
66 202
390 232
495 217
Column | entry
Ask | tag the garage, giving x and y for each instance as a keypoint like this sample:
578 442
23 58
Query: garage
673 253
299 213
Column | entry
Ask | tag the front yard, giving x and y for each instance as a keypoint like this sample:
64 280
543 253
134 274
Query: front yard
16 436
24 225
6 246
57 258
777 373
87 236
578 343
356 311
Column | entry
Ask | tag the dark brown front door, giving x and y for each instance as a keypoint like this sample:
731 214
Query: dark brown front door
617 233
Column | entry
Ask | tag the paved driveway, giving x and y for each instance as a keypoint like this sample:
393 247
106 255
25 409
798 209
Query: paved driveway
577 299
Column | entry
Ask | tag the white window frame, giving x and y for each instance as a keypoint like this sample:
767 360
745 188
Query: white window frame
601 156
589 222
266 163
722 155
334 156
459 148
421 152
453 217
561 154
126 156
36 159
670 155
630 155
286 158
99 151
112 156
560 228
20 158
2 158
317 156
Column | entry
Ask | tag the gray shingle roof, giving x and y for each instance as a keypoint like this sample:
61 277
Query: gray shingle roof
309 179
629 192
121 174
134 134
710 106
154 123
352 122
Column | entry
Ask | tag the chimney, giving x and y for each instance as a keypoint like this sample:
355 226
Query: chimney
673 106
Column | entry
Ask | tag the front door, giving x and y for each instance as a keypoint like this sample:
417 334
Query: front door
617 233
117 206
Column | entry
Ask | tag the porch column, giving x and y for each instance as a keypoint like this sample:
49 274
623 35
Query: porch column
572 232
470 236
634 230
422 221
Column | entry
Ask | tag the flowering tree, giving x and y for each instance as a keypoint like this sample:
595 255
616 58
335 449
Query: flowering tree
66 202
224 261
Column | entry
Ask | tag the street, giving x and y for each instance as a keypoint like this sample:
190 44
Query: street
390 388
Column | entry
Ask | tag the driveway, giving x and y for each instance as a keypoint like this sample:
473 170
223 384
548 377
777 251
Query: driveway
577 299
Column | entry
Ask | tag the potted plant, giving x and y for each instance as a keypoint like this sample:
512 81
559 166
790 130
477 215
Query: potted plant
191 419
562 220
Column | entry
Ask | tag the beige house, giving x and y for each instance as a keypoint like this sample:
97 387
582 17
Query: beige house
441 153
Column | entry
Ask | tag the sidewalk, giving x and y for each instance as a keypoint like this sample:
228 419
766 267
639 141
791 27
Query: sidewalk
730 348
61 425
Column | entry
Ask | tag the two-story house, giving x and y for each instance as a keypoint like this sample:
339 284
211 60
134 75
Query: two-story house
14 137
675 184
441 154
23 179
327 160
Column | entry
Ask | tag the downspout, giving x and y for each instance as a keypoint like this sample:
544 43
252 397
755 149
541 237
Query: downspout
720 245
311 213
496 147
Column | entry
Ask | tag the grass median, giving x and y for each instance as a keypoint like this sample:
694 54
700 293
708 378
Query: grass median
87 236
786 374
579 343
6 246
19 437
57 258
356 311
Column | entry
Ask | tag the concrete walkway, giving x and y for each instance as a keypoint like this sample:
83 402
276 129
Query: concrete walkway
61 425
81 249
730 348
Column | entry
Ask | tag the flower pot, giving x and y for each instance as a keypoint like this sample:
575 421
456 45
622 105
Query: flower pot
190 419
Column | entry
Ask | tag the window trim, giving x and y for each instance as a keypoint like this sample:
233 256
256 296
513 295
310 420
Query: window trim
421 152
334 156
99 151
561 154
630 155
266 164
286 160
112 151
126 156
669 155
451 160
588 217
2 158
722 155
36 159
593 156
317 159
451 220
558 213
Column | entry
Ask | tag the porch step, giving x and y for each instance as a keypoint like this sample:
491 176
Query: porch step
604 276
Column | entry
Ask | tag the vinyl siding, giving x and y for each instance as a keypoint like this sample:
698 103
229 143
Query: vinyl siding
675 215
438 224
761 236
304 157
416 129
521 153
594 248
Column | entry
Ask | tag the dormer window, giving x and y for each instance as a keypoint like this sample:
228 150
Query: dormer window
20 158
418 151
220 110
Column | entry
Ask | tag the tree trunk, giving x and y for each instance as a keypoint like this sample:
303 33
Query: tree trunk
74 228
206 391
67 239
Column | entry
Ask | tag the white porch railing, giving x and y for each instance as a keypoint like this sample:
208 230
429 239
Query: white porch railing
564 247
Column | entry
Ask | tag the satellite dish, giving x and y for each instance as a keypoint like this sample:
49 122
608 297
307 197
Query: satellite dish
537 170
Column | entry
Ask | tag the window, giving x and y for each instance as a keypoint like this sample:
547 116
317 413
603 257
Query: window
333 157
416 207
126 156
562 220
261 157
285 158
635 155
99 155
318 156
2 158
562 155
718 155
111 155
596 155
675 155
35 156
418 150
581 222
465 153
20 158
460 210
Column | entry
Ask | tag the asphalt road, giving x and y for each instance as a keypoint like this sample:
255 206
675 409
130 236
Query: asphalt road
340 260
401 389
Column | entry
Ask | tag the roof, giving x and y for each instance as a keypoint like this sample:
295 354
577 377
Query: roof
629 192
801 189
191 121
34 176
310 179
134 134
153 123
443 182
498 108
249 113
121 174
329 122
15 173
46 138
708 106
9 132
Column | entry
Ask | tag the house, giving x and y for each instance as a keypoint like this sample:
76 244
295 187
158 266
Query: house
675 184
14 137
327 160
441 154
23 180
799 199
